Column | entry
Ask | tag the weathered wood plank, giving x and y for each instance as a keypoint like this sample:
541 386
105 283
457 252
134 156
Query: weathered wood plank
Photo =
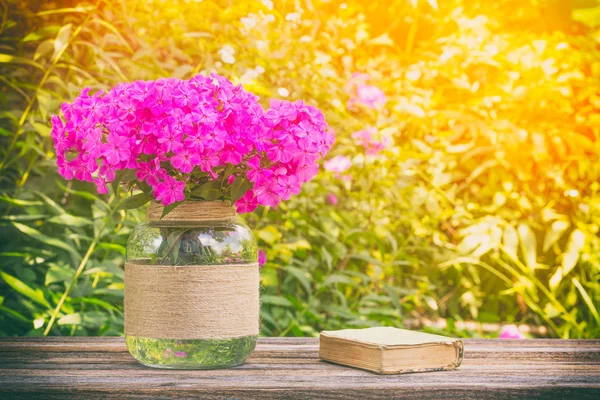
288 367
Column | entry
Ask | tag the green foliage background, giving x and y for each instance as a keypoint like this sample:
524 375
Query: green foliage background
485 208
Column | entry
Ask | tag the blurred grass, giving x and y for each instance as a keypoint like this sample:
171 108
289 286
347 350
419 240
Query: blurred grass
485 206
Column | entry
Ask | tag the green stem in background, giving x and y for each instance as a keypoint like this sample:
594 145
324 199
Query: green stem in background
80 269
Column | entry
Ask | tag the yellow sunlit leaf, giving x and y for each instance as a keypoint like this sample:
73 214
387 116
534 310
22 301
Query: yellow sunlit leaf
528 245
574 247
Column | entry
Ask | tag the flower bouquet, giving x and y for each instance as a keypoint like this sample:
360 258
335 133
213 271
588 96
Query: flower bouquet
202 149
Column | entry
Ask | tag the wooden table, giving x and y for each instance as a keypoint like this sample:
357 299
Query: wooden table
91 368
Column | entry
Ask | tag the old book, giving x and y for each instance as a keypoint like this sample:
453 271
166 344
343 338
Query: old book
388 350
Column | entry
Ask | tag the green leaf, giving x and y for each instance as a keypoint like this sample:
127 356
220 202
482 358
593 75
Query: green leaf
275 300
574 247
62 38
22 288
301 275
24 217
56 209
555 233
111 247
209 191
70 220
43 33
9 59
510 241
125 175
79 193
528 245
587 299
19 202
42 129
14 314
338 278
97 302
57 274
169 208
135 201
92 319
37 235
5 132
115 31
174 243
239 188
43 48
66 10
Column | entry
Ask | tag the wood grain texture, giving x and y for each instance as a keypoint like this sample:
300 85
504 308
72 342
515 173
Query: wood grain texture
99 368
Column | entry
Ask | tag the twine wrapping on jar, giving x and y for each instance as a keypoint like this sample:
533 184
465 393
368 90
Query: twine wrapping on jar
192 301
193 211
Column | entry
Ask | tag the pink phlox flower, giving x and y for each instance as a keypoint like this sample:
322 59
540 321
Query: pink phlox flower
185 160
64 169
107 171
338 164
331 199
232 153
255 171
116 149
284 150
169 191
140 90
268 193
92 144
215 139
170 140
247 203
101 185
194 141
288 185
127 109
364 94
82 169
306 172
163 129
307 152
184 95
371 96
262 257
208 160
510 332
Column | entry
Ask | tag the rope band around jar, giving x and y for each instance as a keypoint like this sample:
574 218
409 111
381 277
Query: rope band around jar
192 302
193 211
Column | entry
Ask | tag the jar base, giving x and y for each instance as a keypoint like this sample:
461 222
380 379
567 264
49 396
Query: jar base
191 353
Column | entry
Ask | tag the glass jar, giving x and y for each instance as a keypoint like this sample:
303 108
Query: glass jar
191 288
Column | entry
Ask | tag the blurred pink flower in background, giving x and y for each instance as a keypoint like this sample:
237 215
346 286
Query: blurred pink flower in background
262 257
338 164
371 96
331 199
511 332
362 93
366 139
